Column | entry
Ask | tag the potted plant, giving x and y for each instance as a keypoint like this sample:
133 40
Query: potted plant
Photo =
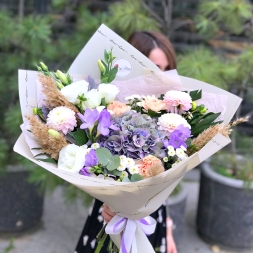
225 205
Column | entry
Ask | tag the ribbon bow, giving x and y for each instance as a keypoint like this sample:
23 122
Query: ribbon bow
118 224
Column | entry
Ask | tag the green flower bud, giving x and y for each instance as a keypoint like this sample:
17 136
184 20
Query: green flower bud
203 111
62 77
35 111
194 105
59 85
39 68
101 66
54 133
44 67
56 76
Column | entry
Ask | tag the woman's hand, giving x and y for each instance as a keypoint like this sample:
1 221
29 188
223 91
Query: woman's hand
171 246
107 213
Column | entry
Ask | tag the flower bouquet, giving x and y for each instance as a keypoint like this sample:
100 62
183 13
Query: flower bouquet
121 129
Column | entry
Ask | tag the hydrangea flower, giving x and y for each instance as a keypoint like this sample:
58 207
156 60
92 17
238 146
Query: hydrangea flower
62 119
136 138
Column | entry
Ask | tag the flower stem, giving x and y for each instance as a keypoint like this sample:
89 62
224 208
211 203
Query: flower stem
100 243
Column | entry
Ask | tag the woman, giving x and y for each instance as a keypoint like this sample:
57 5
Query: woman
159 50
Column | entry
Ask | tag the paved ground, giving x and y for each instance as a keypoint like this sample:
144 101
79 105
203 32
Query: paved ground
62 224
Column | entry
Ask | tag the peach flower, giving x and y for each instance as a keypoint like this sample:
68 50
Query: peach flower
154 104
150 166
118 108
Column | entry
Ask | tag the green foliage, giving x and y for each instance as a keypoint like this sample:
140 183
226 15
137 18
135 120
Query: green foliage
80 137
136 177
10 247
206 66
217 16
107 159
128 16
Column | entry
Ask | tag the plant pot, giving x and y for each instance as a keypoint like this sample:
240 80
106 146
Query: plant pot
21 203
225 210
177 205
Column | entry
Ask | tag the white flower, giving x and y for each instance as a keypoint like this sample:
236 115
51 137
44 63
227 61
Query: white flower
100 108
170 121
165 159
171 152
133 170
95 146
133 97
73 90
122 158
71 158
87 151
124 174
180 153
121 167
62 119
108 91
182 147
85 240
129 162
93 99
175 163
170 147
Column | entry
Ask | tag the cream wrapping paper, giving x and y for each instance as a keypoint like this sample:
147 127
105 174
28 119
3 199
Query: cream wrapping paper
130 200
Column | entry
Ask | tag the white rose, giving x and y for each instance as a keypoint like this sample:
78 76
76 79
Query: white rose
108 91
72 91
93 99
71 158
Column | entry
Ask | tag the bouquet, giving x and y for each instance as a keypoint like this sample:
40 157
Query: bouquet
131 139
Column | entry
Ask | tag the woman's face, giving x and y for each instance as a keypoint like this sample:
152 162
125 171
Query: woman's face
158 57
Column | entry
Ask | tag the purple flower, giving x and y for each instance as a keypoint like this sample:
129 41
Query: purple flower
85 171
105 123
91 159
179 137
89 118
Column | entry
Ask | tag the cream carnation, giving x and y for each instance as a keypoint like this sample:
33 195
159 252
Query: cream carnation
170 121
62 119
154 104
118 108
177 101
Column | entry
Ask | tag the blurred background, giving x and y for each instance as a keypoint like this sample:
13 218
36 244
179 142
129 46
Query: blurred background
213 41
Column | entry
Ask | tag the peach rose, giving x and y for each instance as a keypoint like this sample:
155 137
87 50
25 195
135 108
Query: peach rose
154 104
150 166
118 108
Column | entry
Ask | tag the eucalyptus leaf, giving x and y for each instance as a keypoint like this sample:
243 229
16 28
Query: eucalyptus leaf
136 177
116 173
114 163
126 179
104 156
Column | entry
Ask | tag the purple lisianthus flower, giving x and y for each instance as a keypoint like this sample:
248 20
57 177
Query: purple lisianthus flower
86 172
105 123
91 159
89 118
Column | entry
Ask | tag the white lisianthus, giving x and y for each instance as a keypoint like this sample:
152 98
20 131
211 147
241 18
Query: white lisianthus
180 153
133 170
129 162
108 91
124 174
95 146
100 108
93 99
73 90
71 158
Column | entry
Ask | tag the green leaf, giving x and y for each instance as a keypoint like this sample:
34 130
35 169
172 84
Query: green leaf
40 154
104 156
48 160
114 163
116 172
80 137
196 94
103 102
36 148
136 177
106 56
126 179
112 74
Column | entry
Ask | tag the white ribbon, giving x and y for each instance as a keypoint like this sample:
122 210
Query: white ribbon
129 226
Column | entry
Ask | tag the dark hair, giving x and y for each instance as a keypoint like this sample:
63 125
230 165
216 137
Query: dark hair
146 41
